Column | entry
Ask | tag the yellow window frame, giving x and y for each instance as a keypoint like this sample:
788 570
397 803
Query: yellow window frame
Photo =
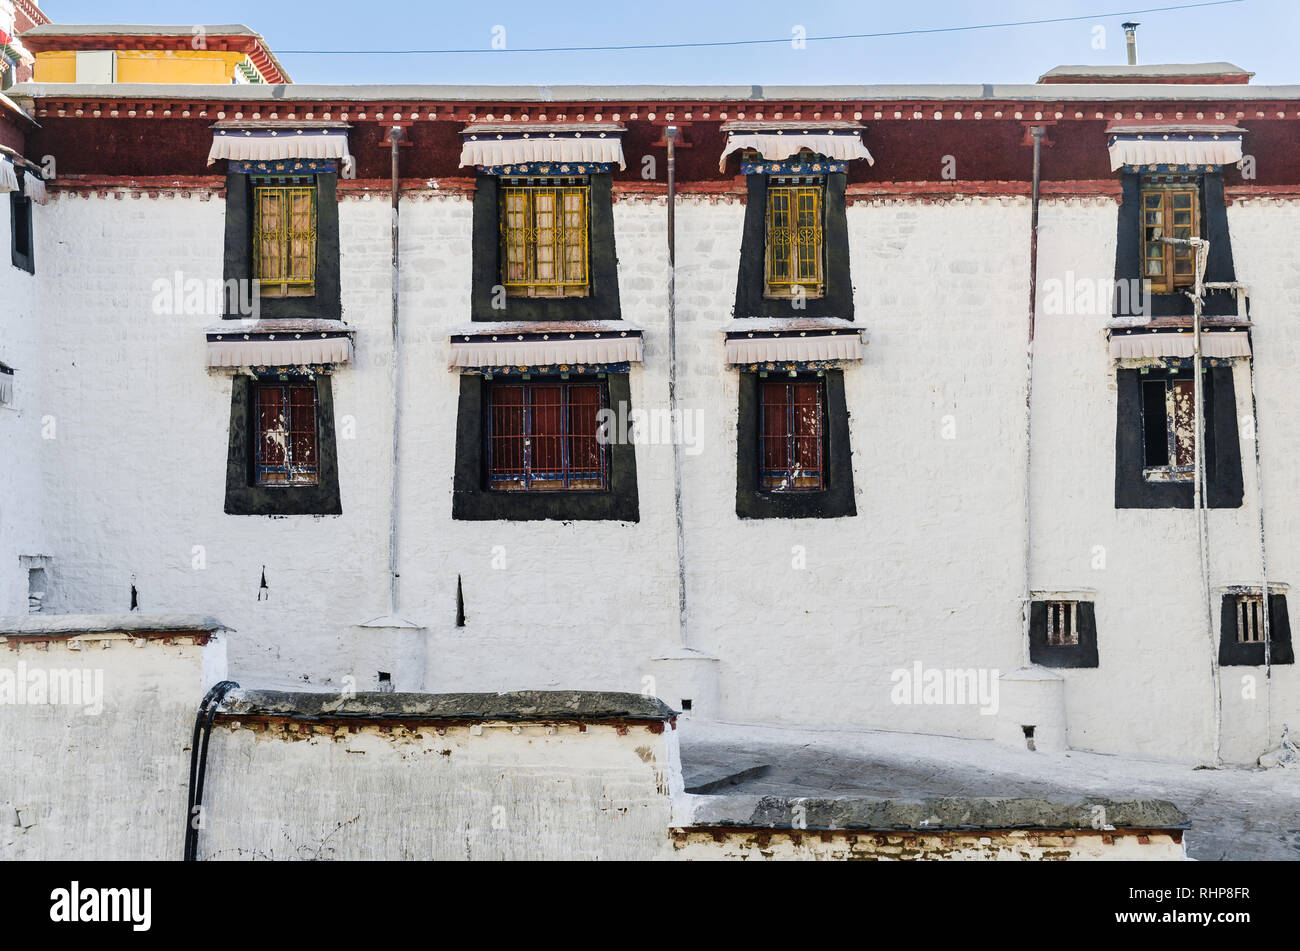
795 240
284 238
545 238
1169 211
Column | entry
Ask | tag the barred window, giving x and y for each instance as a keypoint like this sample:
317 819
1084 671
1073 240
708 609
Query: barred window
545 225
1169 429
794 237
1170 209
1062 623
791 443
1250 619
544 436
286 434
284 236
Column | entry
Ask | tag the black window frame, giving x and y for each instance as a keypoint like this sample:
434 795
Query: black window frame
1221 455
244 494
836 498
836 300
1233 653
601 302
474 500
1082 654
21 220
326 302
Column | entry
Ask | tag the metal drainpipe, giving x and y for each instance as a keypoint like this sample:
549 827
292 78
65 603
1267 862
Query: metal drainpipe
1202 249
394 137
207 713
1025 598
1263 558
670 134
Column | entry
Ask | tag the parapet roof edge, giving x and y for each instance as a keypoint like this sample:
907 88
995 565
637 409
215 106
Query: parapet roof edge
138 29
973 92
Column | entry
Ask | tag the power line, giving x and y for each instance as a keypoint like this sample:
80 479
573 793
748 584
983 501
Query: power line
783 39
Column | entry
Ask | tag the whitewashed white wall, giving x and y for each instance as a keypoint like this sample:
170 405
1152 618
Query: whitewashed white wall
21 322
929 570
106 777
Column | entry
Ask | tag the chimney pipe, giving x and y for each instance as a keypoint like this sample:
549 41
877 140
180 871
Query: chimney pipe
1130 40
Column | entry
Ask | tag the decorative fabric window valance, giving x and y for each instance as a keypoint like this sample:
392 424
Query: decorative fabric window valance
280 344
543 347
289 142
795 346
491 145
1219 344
8 176
34 187
780 140
1183 146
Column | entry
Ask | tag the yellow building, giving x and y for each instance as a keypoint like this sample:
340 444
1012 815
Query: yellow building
69 53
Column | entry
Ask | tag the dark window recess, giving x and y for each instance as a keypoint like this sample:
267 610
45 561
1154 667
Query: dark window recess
544 250
1169 429
1155 439
793 454
794 236
1063 633
281 458
283 231
1179 205
543 437
1241 637
531 449
792 436
20 222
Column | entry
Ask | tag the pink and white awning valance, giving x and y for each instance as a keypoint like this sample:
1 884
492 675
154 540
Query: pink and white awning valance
8 176
280 344
492 145
287 142
776 141
838 345
538 345
1218 344
1192 146
34 187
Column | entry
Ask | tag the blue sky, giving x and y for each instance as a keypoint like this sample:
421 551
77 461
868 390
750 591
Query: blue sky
1259 35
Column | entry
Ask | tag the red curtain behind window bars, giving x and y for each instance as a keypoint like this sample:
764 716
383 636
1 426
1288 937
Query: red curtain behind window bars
286 432
543 436
790 436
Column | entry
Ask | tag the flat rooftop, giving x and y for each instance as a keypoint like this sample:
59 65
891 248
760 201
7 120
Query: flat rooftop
877 777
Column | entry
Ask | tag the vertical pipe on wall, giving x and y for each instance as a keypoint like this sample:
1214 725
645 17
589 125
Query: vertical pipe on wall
1201 248
1263 557
670 135
394 137
1036 132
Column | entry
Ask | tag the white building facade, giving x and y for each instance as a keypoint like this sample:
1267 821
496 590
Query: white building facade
946 487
